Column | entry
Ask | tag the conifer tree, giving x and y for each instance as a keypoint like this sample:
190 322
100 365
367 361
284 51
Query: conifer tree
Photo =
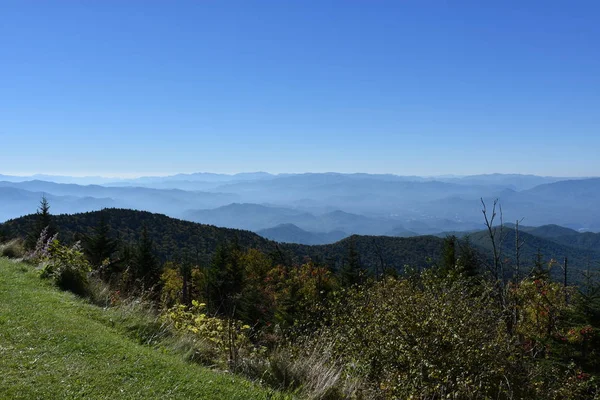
538 271
43 220
449 254
3 234
100 245
588 299
352 272
146 265
226 280
467 261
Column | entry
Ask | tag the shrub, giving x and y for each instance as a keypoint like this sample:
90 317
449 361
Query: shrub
430 337
228 337
67 266
423 338
41 252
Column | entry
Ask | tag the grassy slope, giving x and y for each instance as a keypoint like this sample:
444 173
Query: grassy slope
54 345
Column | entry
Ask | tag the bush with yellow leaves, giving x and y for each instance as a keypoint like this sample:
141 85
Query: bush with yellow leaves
225 339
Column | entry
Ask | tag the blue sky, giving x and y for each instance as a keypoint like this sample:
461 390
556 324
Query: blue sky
408 87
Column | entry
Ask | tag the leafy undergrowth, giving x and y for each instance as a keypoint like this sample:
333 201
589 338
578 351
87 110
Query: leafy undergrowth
55 345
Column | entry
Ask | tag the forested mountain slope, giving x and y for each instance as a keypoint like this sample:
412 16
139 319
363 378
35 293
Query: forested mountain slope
176 239
183 240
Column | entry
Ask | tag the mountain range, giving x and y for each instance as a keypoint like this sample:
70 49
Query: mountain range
326 206
176 239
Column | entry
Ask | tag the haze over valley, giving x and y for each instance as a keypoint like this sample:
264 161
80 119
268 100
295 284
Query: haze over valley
319 208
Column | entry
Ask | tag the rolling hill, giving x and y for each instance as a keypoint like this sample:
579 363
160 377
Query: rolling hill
290 233
550 248
173 238
247 216
550 231
257 217
178 239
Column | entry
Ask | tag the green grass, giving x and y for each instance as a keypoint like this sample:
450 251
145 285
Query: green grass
54 345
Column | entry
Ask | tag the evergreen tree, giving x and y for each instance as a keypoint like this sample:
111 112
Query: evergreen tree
539 271
588 299
3 234
146 266
100 245
448 263
352 272
458 258
226 280
256 303
467 262
43 220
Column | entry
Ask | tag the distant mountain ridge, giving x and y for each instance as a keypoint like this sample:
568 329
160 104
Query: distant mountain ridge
365 204
15 202
290 233
168 201
258 217
246 216
520 181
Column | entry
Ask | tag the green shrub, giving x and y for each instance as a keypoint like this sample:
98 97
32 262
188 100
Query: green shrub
430 337
68 267
423 338
228 338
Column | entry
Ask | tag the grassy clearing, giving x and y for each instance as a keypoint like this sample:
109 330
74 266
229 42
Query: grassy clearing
55 345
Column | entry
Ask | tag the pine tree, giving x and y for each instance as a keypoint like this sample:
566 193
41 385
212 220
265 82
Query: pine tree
100 245
588 299
43 220
467 262
146 266
3 234
538 271
448 263
226 281
352 272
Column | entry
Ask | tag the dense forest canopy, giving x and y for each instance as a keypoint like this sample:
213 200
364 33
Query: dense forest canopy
180 240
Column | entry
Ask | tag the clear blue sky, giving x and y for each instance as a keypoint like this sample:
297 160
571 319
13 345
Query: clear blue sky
420 87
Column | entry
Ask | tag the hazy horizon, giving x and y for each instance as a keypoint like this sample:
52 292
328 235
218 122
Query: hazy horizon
126 176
